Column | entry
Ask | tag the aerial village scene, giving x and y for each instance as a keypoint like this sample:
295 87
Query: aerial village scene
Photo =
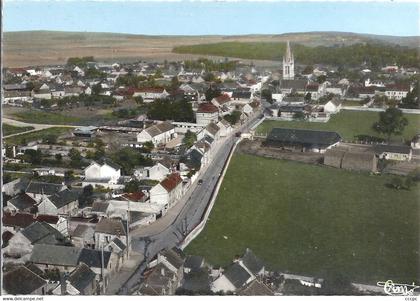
272 165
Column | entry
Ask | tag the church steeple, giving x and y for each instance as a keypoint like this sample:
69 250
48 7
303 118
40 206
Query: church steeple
288 64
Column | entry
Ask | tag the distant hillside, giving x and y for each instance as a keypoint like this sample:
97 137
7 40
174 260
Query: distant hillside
374 55
54 47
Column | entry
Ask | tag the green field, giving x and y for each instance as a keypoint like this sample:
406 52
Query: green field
34 116
25 138
11 129
347 123
308 219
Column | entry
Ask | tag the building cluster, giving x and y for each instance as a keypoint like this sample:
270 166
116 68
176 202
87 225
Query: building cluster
317 93
172 272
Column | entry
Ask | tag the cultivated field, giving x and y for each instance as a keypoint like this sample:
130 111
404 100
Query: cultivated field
25 138
10 129
347 123
309 219
54 47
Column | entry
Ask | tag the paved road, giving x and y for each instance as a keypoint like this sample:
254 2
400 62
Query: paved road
182 219
36 126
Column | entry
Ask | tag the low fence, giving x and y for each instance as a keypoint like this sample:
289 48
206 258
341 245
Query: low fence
350 108
197 230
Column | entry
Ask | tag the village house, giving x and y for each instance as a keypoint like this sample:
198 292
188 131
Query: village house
23 242
393 152
333 106
207 113
158 134
225 128
158 281
103 172
151 94
22 281
81 281
156 172
107 229
397 92
39 190
233 278
64 202
66 259
173 259
22 202
213 131
167 192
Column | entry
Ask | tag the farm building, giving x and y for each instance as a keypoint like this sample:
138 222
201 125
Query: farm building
302 140
360 161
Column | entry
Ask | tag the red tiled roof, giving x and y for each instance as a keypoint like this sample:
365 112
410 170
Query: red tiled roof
134 196
49 219
397 88
6 236
23 220
171 182
223 98
312 87
207 108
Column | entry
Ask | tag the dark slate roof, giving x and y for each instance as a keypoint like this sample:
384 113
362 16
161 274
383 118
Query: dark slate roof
43 188
22 201
110 226
256 288
194 262
22 281
251 261
119 243
99 206
55 255
237 275
384 148
296 84
241 94
81 277
64 198
301 136
197 281
34 269
41 232
109 162
174 258
92 258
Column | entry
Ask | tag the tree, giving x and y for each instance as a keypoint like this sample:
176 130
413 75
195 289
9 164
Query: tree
308 69
32 156
267 95
68 175
233 118
58 157
86 197
189 139
97 89
175 83
75 158
148 146
412 100
132 186
391 122
212 93
321 79
308 97
50 139
299 116
138 100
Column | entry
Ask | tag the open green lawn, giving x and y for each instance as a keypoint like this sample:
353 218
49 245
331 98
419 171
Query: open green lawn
307 219
347 123
25 138
34 116
11 129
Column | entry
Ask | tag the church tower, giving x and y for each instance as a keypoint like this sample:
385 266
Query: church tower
288 64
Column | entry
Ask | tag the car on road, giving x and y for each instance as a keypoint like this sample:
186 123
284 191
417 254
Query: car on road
200 181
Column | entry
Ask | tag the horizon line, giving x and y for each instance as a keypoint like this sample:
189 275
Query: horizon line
203 35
